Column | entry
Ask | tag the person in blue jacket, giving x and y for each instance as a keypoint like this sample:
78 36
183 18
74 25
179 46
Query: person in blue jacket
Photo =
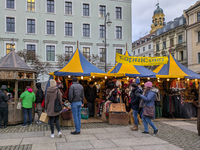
135 101
149 97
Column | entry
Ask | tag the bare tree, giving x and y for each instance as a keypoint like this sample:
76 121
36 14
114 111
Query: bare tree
62 59
34 61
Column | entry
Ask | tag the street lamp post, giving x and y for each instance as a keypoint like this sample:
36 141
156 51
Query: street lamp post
107 16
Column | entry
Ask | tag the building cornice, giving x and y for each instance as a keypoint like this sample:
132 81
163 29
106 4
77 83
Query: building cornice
10 39
50 41
68 42
31 40
118 45
86 43
102 44
125 1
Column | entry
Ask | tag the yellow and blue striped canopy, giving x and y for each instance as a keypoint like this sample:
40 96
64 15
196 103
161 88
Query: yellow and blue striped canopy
132 70
175 70
78 65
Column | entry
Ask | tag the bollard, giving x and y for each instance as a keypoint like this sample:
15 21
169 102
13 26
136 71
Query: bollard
198 115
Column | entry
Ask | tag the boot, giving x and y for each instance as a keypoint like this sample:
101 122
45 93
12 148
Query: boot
134 128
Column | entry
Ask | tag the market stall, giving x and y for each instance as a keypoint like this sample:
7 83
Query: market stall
178 88
16 75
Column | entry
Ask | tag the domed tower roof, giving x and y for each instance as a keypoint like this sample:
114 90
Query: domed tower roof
158 10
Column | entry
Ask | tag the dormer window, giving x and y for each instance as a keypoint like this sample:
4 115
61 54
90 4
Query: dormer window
172 25
181 21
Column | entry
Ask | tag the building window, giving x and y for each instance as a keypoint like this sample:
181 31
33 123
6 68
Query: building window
50 53
172 42
50 27
181 55
180 37
68 29
31 26
50 6
31 51
199 36
119 51
86 30
102 54
118 12
68 8
133 53
10 47
149 46
68 52
164 45
157 47
86 10
118 32
143 49
10 4
102 10
86 53
31 5
149 55
102 31
198 16
181 21
138 51
10 24
198 57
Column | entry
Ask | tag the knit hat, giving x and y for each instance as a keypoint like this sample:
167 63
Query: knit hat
75 79
3 87
148 84
53 82
134 85
137 80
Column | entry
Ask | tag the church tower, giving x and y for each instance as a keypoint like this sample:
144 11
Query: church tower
158 19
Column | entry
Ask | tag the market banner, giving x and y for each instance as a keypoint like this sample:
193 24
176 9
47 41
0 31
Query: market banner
141 61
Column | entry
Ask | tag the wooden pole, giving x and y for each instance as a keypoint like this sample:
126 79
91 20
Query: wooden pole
198 115
126 46
77 44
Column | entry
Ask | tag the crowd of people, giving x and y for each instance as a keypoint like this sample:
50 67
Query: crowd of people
142 102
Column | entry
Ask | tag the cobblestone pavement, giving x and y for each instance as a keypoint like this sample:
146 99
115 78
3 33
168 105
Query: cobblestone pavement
182 138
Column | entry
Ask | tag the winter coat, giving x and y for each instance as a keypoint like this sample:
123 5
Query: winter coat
39 93
51 95
3 99
91 94
135 100
76 93
28 97
149 98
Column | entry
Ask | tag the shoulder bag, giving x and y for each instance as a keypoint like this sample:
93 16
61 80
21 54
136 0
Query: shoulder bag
57 106
148 111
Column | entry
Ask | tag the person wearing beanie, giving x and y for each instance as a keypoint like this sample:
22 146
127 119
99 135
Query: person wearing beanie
76 98
90 95
135 101
38 101
149 97
28 97
51 95
3 106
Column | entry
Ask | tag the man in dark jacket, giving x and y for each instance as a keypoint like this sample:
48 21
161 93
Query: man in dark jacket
135 101
90 95
76 98
3 106
38 101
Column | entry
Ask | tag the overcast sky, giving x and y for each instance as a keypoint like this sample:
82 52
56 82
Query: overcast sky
142 13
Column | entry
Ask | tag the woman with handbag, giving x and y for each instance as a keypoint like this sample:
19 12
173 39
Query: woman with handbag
148 97
53 95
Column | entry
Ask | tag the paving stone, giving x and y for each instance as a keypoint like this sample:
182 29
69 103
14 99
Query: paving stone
138 134
103 144
80 137
43 146
21 135
138 141
117 148
42 140
8 142
93 131
64 132
157 147
117 130
113 135
74 145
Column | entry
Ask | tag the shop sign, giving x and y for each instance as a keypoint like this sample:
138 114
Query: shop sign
141 61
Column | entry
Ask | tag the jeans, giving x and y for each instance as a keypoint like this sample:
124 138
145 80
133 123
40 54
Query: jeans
4 115
90 108
76 112
135 112
51 119
146 121
25 111
39 109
